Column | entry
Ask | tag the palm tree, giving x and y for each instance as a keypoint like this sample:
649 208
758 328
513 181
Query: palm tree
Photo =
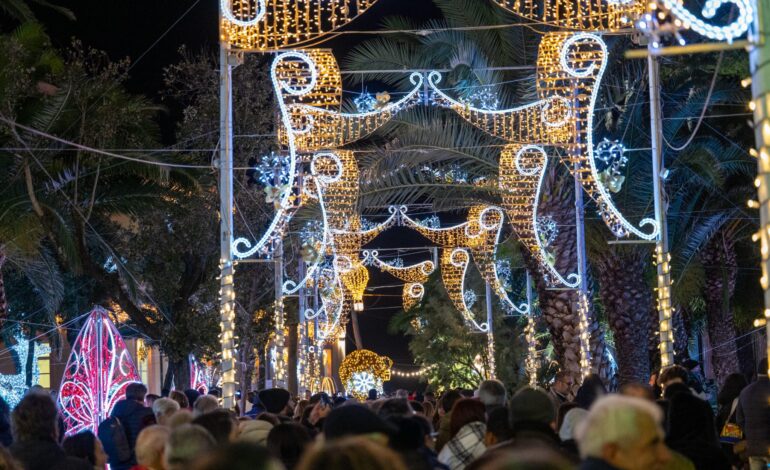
21 11
700 175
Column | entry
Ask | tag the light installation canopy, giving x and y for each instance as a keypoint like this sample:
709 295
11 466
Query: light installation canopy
618 15
14 386
364 370
270 25
558 124
96 376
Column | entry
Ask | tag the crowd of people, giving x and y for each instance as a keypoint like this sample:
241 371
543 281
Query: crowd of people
640 427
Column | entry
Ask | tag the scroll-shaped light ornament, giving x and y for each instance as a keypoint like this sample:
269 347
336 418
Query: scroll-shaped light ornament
569 68
479 237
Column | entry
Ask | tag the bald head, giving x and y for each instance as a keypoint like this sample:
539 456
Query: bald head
150 445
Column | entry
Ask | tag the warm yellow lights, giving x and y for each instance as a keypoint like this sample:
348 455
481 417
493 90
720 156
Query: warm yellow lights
269 25
662 261
364 370
355 280
578 15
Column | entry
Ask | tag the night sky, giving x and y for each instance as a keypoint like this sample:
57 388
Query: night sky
150 33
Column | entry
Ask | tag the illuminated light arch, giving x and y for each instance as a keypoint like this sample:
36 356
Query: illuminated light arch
480 236
414 277
569 68
96 376
619 15
270 25
363 370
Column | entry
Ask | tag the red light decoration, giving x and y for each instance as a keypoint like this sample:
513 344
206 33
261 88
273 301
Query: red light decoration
98 371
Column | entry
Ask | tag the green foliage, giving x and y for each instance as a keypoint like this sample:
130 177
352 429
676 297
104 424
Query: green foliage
455 354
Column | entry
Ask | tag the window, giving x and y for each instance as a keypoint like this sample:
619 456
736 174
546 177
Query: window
43 368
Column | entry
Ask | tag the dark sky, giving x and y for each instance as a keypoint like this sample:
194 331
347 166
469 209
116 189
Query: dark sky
150 33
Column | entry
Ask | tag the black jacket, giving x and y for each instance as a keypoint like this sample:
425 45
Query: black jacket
134 417
45 455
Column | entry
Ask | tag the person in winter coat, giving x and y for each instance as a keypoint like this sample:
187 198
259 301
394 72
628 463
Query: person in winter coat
691 432
134 417
36 436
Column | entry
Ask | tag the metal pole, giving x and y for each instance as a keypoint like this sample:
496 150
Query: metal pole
302 341
226 292
662 255
582 305
760 87
490 333
279 374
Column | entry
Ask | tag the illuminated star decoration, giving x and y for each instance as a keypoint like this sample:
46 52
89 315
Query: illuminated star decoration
14 386
96 376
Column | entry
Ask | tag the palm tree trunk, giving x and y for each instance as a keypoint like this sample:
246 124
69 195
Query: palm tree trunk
680 319
721 269
627 301
356 330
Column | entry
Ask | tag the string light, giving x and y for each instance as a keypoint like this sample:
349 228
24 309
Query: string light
96 375
619 15
580 15
662 261
584 311
531 363
422 371
363 370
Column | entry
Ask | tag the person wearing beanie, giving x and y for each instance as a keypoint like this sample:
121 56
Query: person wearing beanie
355 420
275 400
533 416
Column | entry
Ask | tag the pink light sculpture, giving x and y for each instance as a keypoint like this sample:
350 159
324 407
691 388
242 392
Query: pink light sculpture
98 371
197 376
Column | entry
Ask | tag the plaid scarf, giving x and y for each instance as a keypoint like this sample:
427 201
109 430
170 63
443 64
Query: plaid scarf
465 447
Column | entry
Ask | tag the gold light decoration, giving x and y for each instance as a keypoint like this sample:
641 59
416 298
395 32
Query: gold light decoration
270 25
531 361
579 15
559 123
477 237
356 279
584 310
316 120
363 370
414 277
